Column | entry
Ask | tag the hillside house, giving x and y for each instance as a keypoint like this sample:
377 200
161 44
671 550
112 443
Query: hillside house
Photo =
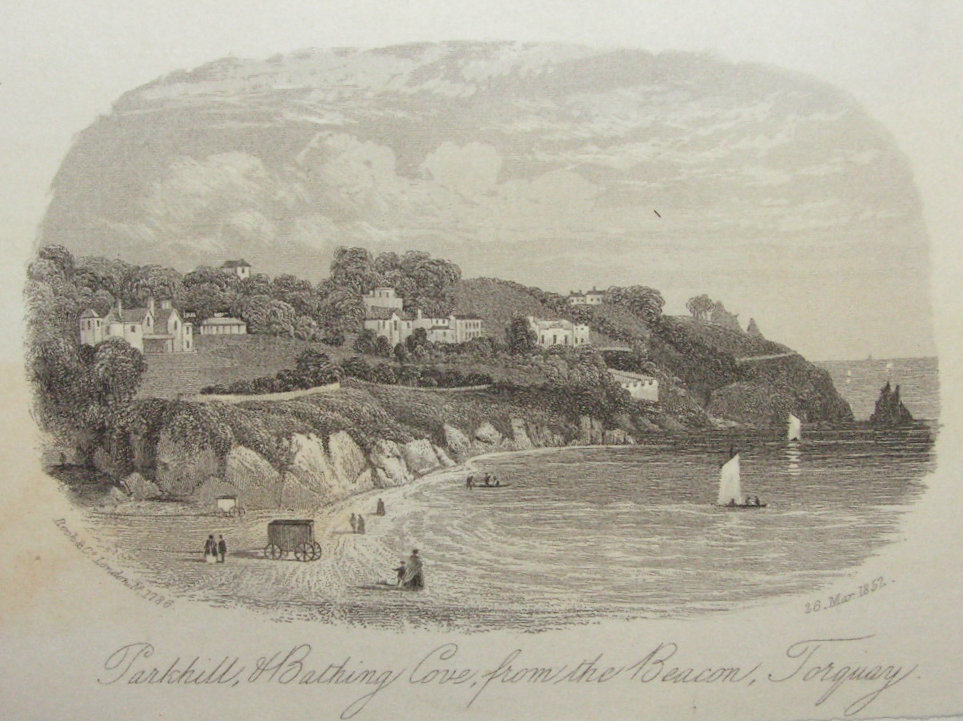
382 298
640 387
221 324
241 268
549 333
591 297
396 324
391 323
150 329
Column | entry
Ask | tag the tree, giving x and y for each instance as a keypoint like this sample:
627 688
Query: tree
642 301
720 316
520 337
352 271
382 347
316 367
383 373
417 339
305 328
341 311
62 258
700 306
401 353
356 367
117 370
753 329
365 342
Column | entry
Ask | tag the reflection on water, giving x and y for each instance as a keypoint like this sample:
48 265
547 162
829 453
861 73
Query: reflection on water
793 458
634 530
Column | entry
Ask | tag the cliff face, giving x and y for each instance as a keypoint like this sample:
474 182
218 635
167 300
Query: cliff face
323 470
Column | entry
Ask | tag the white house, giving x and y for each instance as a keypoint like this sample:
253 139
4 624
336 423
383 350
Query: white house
559 332
149 330
382 298
391 323
591 297
640 387
223 325
384 314
241 268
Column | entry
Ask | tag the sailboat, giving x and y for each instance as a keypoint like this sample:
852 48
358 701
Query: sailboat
730 487
795 428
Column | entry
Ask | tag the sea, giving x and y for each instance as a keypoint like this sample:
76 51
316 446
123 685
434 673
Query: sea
582 533
859 382
633 531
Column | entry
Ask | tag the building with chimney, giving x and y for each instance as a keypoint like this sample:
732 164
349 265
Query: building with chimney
151 329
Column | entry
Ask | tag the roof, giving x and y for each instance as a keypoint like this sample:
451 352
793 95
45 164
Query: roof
127 315
377 312
626 375
90 313
459 316
236 264
162 315
222 320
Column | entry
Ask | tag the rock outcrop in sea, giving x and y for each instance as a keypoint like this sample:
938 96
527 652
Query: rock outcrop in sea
890 411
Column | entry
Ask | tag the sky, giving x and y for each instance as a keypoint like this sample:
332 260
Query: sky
64 63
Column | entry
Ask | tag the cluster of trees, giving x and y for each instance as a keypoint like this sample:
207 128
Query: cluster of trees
413 375
312 368
702 307
80 390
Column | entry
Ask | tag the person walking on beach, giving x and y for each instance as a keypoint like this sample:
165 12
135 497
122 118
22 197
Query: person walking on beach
360 525
380 510
221 549
400 572
413 577
210 550
354 523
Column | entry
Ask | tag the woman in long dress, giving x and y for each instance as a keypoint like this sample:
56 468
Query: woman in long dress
413 577
210 550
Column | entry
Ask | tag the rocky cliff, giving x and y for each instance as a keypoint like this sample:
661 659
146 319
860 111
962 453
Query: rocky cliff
320 469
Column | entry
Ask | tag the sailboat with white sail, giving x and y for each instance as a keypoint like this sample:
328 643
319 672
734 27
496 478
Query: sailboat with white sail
795 428
730 487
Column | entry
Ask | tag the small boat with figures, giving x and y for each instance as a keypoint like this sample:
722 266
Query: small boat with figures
795 428
730 488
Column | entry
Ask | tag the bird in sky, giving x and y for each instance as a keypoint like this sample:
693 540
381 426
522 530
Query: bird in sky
657 213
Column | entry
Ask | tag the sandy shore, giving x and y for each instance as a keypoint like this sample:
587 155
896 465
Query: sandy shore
353 579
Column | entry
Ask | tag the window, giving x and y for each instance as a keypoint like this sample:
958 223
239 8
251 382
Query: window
133 329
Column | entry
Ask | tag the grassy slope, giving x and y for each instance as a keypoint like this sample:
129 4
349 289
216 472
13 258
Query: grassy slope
224 360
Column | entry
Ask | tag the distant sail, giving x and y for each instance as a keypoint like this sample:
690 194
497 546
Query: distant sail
795 428
730 488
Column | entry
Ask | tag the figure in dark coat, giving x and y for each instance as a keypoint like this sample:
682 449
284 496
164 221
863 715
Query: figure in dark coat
221 549
380 510
413 577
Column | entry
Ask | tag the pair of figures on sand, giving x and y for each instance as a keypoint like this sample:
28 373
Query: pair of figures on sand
357 523
215 551
410 572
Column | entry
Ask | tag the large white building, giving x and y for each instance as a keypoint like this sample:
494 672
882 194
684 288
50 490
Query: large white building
640 387
149 330
385 315
549 333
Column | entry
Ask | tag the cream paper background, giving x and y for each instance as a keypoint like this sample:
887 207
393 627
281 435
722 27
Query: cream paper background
60 616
